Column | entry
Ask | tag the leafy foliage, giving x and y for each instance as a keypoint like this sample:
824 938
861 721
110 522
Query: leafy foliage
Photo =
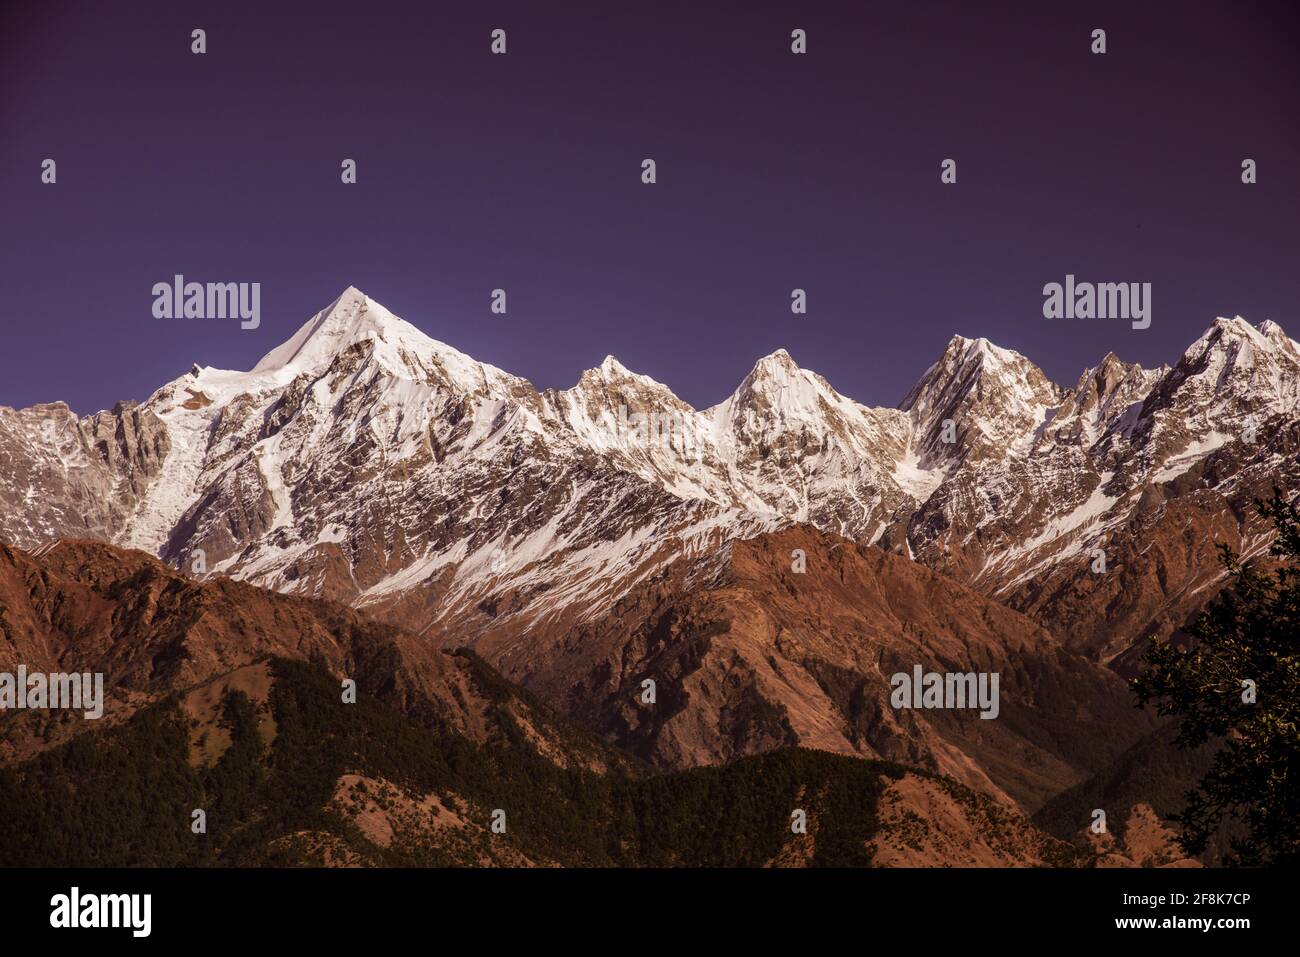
1248 637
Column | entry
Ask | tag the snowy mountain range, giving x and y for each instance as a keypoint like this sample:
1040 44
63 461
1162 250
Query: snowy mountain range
579 539
361 457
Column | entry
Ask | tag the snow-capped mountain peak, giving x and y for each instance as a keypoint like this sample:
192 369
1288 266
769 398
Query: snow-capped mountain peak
774 363
1273 332
1233 368
396 346
362 458
612 372
777 374
1232 333
350 318
779 397
977 398
610 367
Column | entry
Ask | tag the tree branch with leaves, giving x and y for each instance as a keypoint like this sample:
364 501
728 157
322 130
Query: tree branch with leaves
1237 684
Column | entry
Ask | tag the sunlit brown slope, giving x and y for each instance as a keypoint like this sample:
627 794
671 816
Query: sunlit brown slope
749 655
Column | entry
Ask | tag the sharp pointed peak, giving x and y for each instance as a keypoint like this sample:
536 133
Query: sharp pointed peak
979 355
1236 329
350 297
1240 327
349 318
773 361
611 372
1108 372
964 360
609 369
1110 362
979 347
1233 325
775 370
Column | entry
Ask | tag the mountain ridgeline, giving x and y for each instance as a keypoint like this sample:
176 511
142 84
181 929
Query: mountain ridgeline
508 568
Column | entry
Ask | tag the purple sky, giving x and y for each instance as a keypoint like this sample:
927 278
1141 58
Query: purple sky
523 172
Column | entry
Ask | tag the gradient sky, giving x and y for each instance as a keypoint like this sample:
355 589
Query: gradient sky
523 172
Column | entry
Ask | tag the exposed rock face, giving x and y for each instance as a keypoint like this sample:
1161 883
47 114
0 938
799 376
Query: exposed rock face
994 399
132 442
52 484
64 477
